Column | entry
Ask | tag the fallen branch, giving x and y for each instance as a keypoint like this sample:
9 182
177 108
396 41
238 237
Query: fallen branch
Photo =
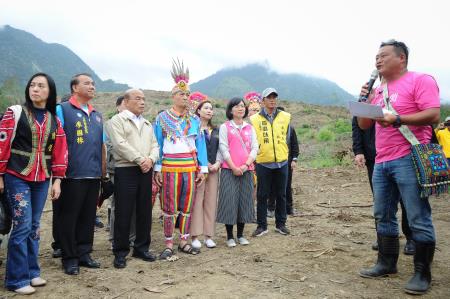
168 281
311 250
207 261
329 250
345 206
357 241
349 185
290 280
336 281
306 215
156 290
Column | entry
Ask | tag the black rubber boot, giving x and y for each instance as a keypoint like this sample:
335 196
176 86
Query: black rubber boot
375 245
410 247
421 281
388 250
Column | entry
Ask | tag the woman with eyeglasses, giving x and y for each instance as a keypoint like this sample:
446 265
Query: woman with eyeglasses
238 146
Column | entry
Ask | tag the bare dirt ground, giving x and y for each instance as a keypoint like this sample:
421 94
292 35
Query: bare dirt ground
329 243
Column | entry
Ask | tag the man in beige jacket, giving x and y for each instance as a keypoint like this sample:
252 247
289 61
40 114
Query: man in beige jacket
135 152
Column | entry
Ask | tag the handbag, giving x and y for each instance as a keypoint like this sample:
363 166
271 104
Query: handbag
430 163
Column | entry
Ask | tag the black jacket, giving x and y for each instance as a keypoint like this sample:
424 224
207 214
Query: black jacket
212 145
363 141
293 144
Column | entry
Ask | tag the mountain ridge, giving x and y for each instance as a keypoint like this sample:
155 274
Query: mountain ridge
236 81
22 54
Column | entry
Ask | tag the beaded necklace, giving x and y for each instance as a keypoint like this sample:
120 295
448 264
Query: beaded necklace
171 124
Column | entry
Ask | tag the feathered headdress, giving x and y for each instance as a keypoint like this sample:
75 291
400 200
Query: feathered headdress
254 100
252 96
195 99
180 76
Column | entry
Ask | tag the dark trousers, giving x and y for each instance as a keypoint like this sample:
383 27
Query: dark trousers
405 226
56 244
289 200
77 216
132 191
267 179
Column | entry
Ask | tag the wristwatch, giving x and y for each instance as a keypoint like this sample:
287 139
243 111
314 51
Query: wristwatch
398 122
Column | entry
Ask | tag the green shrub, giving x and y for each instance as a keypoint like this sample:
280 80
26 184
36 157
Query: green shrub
305 133
323 158
325 134
342 126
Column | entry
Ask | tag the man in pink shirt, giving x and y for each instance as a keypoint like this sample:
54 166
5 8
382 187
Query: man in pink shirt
415 98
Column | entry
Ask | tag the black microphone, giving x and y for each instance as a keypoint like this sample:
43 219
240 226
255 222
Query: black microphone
373 78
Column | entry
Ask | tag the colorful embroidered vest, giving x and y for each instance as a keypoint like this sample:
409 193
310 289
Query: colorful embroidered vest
26 144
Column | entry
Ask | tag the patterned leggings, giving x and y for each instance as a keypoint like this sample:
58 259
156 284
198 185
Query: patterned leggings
177 197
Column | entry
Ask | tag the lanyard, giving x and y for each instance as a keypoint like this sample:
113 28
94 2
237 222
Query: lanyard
406 132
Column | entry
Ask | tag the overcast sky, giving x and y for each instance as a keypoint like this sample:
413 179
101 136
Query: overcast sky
133 41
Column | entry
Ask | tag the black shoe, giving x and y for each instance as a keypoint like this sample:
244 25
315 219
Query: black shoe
388 250
71 267
120 262
146 256
410 247
282 229
421 281
98 222
375 245
259 232
88 262
57 253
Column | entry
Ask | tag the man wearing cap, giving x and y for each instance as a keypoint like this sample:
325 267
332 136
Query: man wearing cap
443 136
272 130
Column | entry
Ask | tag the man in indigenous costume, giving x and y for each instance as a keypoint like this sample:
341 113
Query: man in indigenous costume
183 162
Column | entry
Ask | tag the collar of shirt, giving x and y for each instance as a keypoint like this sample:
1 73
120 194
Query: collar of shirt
136 119
271 116
74 102
238 126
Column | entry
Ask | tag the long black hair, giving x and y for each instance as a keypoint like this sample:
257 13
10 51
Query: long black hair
51 100
233 102
199 107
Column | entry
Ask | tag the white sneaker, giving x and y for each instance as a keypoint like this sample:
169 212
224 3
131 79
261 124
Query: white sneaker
243 241
210 243
196 244
38 282
231 243
26 290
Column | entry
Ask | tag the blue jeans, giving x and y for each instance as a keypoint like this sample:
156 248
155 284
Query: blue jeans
27 200
397 179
